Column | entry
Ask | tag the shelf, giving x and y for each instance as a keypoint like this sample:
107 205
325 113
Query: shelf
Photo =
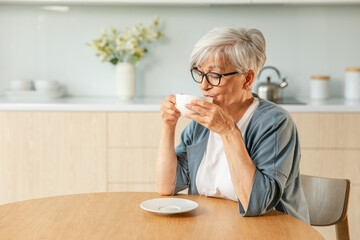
129 2
112 104
177 2
303 2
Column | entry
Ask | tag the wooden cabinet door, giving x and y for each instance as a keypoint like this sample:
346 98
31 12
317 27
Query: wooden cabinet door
330 147
133 139
138 129
51 153
328 130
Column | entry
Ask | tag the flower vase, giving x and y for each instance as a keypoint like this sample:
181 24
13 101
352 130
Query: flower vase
125 81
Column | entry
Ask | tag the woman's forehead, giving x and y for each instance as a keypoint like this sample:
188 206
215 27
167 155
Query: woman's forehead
210 67
215 63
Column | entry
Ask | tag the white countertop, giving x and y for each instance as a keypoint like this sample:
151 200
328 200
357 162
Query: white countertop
112 104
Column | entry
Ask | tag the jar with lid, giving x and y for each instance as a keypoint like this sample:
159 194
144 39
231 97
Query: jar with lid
319 87
352 83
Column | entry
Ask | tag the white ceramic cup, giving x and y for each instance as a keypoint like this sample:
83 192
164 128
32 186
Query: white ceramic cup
182 100
46 85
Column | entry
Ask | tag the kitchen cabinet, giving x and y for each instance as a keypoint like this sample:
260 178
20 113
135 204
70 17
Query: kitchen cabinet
328 130
330 147
128 129
133 139
55 153
51 153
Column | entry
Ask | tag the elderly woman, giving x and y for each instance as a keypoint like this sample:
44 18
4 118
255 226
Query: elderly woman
239 147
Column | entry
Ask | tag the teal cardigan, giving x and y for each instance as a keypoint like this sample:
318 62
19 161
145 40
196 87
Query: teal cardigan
272 142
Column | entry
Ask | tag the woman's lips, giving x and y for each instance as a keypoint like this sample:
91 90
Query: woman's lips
208 96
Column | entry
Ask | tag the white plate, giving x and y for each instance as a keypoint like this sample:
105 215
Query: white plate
33 94
168 205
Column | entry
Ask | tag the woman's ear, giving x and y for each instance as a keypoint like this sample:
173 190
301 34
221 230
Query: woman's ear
249 79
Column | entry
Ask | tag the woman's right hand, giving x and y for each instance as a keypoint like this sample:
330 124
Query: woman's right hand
169 112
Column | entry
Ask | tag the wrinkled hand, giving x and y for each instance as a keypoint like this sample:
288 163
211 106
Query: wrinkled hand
211 116
169 112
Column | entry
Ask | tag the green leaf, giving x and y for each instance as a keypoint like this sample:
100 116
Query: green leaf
134 59
114 60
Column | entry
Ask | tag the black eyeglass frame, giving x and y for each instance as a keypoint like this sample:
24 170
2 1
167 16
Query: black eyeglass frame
205 75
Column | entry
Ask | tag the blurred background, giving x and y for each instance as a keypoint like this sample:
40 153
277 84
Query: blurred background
42 42
85 139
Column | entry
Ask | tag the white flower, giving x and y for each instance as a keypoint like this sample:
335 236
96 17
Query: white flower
136 31
126 46
104 31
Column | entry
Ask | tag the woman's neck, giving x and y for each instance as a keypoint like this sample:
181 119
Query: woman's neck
238 110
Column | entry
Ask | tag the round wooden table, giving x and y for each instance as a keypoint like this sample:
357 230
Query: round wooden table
119 216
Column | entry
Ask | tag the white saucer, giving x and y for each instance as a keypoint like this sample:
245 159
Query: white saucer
168 205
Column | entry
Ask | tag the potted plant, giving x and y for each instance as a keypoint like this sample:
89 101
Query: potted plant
124 49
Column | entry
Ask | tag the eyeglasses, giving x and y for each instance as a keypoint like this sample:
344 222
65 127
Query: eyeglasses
212 78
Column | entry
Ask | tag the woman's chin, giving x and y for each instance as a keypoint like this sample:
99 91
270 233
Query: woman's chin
217 102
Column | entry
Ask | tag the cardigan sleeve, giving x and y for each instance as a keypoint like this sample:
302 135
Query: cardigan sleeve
274 152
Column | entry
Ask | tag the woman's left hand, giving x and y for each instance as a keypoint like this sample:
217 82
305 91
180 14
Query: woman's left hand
211 116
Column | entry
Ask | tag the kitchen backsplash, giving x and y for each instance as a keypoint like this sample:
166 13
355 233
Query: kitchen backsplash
302 40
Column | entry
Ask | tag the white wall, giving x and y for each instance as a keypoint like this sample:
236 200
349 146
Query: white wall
301 41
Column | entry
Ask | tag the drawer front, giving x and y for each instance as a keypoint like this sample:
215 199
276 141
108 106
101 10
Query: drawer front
51 153
328 130
138 129
134 129
131 165
331 163
131 187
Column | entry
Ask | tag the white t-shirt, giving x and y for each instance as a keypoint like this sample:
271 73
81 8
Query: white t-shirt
213 177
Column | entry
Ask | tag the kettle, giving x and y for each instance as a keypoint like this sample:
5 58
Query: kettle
269 90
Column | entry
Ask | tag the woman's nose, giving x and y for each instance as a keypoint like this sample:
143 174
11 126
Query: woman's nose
204 85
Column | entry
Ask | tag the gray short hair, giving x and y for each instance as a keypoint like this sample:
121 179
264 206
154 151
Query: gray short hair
243 48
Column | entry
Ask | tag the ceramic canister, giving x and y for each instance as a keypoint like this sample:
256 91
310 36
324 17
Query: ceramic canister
319 87
352 83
